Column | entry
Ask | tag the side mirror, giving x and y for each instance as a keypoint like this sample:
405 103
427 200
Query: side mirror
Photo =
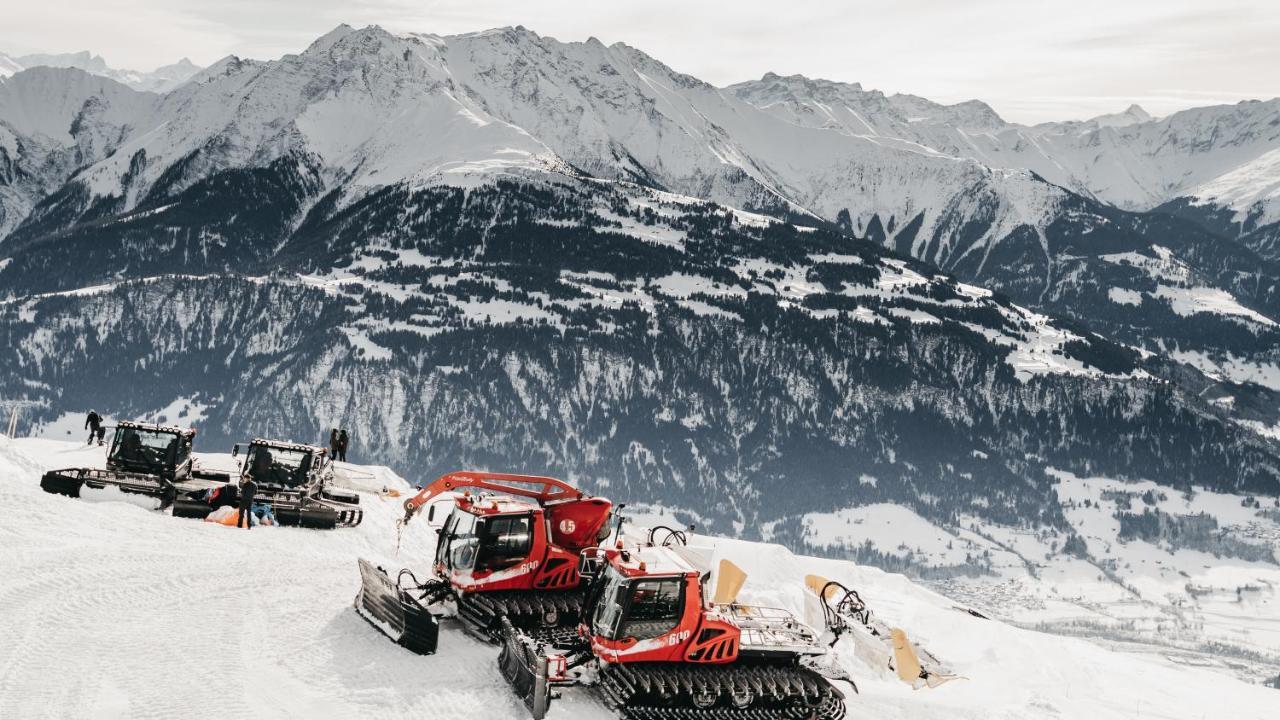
235 450
431 513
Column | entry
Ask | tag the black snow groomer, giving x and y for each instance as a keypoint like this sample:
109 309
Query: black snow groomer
294 480
147 463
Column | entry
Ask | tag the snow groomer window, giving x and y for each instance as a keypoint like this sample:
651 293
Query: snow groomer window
507 541
655 608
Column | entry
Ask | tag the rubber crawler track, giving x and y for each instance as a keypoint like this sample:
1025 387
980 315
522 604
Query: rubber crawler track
769 691
527 610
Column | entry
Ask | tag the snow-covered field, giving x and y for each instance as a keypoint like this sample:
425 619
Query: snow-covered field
110 610
1216 607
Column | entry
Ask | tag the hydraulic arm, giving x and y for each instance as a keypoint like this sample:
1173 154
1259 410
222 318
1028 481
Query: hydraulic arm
545 490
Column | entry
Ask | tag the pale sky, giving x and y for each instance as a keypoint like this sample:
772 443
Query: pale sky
1032 60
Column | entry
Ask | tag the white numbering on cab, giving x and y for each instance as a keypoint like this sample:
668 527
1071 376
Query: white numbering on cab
678 638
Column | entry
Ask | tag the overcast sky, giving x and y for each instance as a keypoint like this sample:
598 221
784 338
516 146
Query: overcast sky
1030 59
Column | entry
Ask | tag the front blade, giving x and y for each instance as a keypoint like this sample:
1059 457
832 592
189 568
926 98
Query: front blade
525 668
394 612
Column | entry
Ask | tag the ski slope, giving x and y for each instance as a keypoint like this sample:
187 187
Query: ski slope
109 610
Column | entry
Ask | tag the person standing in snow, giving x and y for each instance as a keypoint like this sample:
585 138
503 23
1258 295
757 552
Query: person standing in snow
248 489
333 443
260 466
94 424
343 442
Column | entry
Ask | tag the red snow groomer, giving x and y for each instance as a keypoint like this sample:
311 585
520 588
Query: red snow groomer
658 647
510 550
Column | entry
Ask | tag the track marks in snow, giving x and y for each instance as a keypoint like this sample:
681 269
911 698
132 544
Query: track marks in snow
110 610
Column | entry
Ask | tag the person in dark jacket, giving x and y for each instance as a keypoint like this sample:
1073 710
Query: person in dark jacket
94 424
131 447
260 466
333 443
299 475
343 441
171 453
248 489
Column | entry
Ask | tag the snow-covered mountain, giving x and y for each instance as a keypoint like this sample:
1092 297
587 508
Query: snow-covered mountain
1127 159
162 79
953 185
56 121
500 249
631 339
1215 166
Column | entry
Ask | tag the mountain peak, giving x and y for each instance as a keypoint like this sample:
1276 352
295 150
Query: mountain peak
1132 115
368 44
510 33
798 81
224 66
1137 112
327 40
976 113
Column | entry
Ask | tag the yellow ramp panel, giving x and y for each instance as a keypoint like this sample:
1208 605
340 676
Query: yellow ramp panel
816 583
905 660
729 581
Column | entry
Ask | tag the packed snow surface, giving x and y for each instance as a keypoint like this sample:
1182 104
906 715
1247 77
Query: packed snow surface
110 610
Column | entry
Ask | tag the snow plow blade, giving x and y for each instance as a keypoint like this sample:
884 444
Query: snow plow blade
394 612
71 481
525 669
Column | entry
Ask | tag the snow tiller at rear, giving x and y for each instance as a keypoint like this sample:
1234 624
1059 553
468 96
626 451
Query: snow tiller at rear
657 648
509 552
146 462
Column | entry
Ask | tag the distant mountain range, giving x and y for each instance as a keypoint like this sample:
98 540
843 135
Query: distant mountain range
161 79
499 249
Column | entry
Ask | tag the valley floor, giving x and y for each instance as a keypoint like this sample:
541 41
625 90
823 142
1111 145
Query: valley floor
111 610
